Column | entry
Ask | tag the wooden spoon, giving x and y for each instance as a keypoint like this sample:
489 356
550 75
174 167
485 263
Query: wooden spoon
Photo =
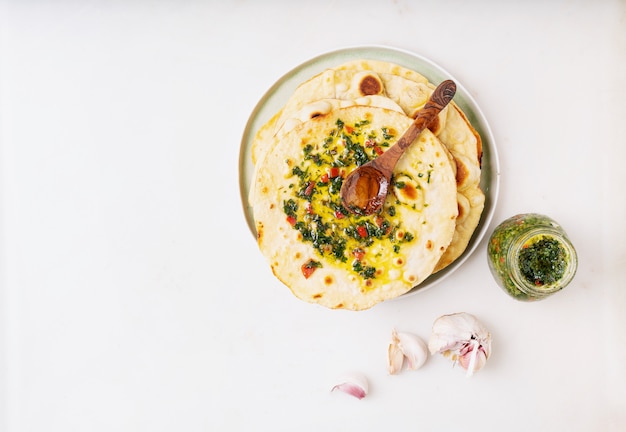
364 190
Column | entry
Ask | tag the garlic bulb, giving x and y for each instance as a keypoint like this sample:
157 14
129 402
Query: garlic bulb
462 338
405 346
354 383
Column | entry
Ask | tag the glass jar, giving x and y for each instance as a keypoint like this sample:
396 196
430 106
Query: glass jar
531 257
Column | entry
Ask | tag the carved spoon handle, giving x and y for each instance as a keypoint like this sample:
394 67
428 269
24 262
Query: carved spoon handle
441 97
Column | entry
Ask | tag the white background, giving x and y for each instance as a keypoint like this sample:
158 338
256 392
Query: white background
133 296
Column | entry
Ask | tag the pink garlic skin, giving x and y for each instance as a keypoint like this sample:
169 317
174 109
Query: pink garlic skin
351 389
466 353
461 337
355 384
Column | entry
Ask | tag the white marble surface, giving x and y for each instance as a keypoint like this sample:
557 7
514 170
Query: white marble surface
133 297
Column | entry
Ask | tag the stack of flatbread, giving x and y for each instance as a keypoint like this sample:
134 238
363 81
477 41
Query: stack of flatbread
334 122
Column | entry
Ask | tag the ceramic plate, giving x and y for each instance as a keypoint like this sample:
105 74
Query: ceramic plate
279 93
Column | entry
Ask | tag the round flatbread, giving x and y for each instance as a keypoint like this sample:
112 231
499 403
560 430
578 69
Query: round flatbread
410 91
329 256
465 145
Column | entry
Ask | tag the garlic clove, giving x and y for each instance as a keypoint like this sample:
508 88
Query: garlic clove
462 338
473 359
355 384
414 349
395 358
405 346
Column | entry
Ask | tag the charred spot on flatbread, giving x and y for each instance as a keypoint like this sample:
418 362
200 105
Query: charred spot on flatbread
370 85
462 172
409 192
461 210
435 125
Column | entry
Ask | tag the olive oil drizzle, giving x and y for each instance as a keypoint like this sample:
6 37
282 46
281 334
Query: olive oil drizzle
315 207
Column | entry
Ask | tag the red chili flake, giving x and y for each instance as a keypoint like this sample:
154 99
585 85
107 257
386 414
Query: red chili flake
309 189
339 215
369 143
333 172
358 254
378 150
324 178
291 220
309 267
362 231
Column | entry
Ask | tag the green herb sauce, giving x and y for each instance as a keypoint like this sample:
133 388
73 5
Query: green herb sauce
541 261
315 208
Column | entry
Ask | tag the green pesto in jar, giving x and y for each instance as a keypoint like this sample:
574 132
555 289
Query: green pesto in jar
531 257
542 260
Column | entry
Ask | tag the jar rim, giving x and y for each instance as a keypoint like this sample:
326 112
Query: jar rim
513 254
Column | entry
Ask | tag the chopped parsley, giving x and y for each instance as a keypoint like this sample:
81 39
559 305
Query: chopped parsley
315 210
543 262
290 207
